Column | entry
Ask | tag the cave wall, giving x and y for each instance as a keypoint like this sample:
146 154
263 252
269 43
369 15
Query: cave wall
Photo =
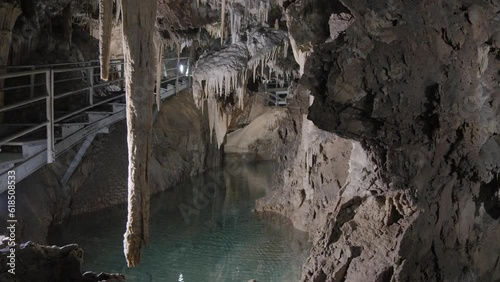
313 167
414 85
253 133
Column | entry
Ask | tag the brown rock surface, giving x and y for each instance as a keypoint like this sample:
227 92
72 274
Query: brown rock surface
415 86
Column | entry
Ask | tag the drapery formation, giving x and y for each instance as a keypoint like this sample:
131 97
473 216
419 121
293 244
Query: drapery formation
138 27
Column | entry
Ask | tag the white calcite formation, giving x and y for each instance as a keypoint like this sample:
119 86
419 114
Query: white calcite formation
224 73
221 74
214 77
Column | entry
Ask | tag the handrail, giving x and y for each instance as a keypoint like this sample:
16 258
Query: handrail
79 79
24 73
90 83
112 62
87 108
22 133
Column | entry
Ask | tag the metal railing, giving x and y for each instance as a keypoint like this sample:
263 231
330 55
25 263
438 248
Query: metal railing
65 91
276 93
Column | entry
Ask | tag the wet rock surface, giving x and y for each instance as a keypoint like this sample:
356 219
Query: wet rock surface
56 264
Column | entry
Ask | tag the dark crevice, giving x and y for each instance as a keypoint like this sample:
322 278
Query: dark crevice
386 275
346 213
430 117
488 196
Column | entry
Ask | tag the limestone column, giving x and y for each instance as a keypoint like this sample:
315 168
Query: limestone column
138 26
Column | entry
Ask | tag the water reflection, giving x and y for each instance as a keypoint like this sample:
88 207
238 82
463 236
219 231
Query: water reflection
203 230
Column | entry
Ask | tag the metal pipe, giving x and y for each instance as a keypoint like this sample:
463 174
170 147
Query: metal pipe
73 69
177 72
91 87
20 87
69 79
32 86
38 67
19 74
108 83
70 93
116 61
21 104
50 116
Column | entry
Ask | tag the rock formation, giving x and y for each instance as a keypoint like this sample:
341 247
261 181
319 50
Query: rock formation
105 29
43 263
413 85
392 166
139 52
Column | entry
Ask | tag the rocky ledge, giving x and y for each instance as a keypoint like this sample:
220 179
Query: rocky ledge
34 262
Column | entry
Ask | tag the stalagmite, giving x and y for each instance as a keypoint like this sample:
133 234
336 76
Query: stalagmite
105 28
8 16
138 26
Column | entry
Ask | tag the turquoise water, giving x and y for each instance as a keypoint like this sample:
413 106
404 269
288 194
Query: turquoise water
204 230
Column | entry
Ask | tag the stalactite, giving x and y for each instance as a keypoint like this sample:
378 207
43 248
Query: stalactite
218 75
138 25
67 23
235 18
105 29
118 4
218 120
223 18
264 46
286 44
225 73
214 30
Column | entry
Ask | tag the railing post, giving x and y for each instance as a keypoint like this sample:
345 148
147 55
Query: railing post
165 72
122 72
49 81
188 70
177 75
32 86
91 84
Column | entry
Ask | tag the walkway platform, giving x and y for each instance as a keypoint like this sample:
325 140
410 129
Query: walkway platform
75 104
